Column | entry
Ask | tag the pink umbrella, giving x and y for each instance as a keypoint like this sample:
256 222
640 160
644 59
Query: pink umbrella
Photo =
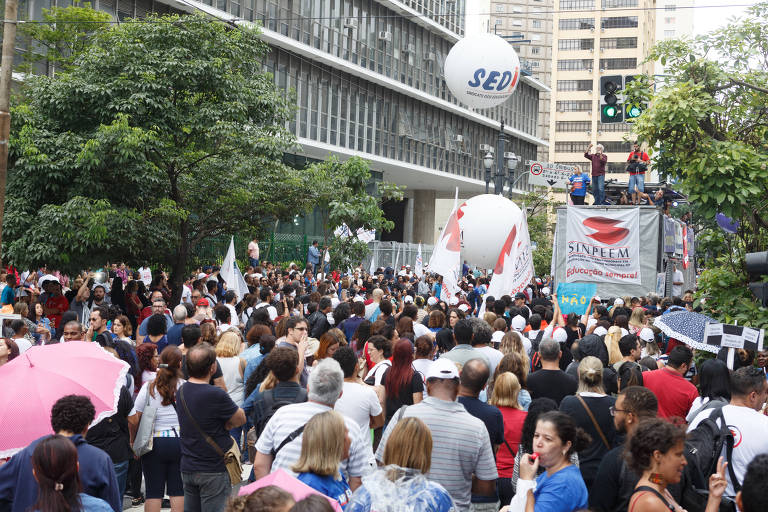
33 381
287 482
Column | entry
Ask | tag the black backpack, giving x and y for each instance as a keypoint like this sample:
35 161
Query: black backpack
267 407
703 446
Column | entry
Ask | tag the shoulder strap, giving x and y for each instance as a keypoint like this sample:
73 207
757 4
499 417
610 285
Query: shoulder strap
197 427
594 421
645 488
293 435
729 453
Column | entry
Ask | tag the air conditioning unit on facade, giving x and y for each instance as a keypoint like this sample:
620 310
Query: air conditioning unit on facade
409 48
429 56
385 36
486 148
457 138
350 22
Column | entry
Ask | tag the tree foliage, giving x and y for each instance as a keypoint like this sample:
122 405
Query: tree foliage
537 204
162 134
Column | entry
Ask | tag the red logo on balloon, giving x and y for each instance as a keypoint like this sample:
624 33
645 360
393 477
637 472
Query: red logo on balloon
607 231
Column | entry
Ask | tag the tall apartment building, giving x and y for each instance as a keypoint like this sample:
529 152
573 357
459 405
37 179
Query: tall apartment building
674 20
594 38
529 20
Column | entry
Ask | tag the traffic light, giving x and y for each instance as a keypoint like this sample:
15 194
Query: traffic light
610 108
632 110
757 266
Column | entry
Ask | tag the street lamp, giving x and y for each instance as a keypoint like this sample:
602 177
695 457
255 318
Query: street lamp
512 161
487 163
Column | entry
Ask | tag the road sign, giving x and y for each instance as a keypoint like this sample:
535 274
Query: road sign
548 174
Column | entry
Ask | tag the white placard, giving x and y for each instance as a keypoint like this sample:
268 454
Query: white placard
714 330
732 341
548 174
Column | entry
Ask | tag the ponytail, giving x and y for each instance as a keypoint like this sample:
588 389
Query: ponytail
168 373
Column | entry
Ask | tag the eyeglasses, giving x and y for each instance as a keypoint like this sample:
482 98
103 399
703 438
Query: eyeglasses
614 410
300 328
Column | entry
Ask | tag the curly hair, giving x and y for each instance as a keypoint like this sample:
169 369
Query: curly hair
168 374
72 413
145 353
264 499
208 333
651 435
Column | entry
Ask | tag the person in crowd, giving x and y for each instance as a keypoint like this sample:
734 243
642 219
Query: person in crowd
550 381
751 498
424 352
350 325
206 415
560 487
464 351
407 460
578 186
474 376
457 461
179 321
403 386
598 161
232 369
122 329
675 393
630 350
70 417
742 415
148 358
318 320
714 387
43 330
8 295
313 502
379 350
9 350
481 339
358 401
161 465
590 409
513 341
520 366
325 443
615 482
330 342
279 446
156 329
313 257
191 335
297 329
505 396
655 452
55 468
269 498
158 308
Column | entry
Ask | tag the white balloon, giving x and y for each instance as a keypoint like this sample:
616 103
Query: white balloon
485 222
482 70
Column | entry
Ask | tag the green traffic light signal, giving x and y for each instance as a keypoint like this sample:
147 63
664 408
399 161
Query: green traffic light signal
634 111
610 111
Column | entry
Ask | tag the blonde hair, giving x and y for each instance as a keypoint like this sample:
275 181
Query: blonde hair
409 446
489 318
612 344
269 382
637 319
506 389
229 344
591 375
512 342
322 445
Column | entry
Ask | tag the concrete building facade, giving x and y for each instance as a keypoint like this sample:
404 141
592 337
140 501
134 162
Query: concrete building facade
674 20
594 38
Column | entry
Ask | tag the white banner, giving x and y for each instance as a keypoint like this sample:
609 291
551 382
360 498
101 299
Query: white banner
514 268
603 246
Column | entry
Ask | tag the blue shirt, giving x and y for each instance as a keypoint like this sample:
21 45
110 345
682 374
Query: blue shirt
18 487
335 489
143 325
174 334
91 504
579 184
562 492
314 255
251 366
423 495
8 295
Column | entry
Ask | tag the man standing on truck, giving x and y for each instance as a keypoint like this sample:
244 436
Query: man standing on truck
598 159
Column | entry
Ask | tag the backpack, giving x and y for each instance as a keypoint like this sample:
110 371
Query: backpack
268 406
703 446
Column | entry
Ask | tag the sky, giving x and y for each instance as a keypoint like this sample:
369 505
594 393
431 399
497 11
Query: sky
709 19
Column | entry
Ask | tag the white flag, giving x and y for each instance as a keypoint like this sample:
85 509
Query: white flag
514 266
372 270
417 268
446 256
397 256
231 273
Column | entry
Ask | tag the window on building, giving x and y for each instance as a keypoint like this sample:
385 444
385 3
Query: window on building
534 63
626 63
573 126
612 167
498 22
535 50
517 23
499 7
670 7
571 5
577 23
669 34
613 4
618 43
576 44
574 64
574 105
617 146
536 23
574 85
571 146
619 22
612 127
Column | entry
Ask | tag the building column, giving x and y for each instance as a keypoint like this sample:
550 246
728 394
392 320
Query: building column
423 217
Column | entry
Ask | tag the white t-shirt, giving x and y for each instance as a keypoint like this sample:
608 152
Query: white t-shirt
378 371
271 309
419 329
677 289
246 315
146 275
748 427
493 355
166 418
186 294
422 366
358 402
232 314
23 343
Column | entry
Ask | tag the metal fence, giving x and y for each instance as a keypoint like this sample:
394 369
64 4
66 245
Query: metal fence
395 254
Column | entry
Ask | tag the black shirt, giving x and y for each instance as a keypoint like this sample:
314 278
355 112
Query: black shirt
554 384
589 458
491 416
405 396
111 434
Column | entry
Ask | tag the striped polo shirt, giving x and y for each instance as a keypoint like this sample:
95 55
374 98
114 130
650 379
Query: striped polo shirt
460 447
289 417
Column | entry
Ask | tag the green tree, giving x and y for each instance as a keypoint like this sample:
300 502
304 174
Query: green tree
537 205
345 195
164 133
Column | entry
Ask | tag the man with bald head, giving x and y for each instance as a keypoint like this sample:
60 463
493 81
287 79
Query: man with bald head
472 380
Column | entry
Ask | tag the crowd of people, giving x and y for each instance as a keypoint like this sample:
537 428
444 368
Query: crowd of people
380 396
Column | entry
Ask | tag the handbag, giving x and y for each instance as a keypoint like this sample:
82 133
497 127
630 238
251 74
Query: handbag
231 457
143 443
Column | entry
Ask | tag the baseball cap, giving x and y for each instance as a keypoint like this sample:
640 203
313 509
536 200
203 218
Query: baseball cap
518 323
443 368
600 331
432 301
560 335
407 299
202 275
520 295
545 290
618 302
646 334
496 336
597 298
358 298
463 307
203 302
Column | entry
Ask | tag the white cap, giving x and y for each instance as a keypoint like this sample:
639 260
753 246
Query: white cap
646 334
618 302
518 323
545 290
443 368
203 275
624 332
407 299
600 331
463 307
453 300
432 301
496 336
358 298
560 335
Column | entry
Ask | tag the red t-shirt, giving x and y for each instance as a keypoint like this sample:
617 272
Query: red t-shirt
59 303
674 393
513 431
642 155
